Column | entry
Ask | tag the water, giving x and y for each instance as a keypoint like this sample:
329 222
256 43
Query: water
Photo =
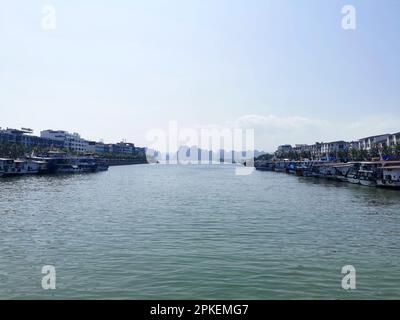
196 232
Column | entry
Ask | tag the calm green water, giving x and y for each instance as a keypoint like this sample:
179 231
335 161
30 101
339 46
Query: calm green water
196 232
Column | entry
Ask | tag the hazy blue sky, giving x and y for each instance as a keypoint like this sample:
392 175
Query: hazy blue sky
115 69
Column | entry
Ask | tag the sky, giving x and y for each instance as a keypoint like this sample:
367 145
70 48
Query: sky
116 70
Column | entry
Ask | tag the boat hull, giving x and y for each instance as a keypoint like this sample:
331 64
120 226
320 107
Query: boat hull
353 180
368 183
388 184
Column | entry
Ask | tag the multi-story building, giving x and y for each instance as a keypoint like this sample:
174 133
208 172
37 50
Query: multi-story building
299 148
72 141
354 145
394 139
25 137
114 148
91 147
320 149
334 147
283 150
379 141
64 139
126 148
315 150
100 147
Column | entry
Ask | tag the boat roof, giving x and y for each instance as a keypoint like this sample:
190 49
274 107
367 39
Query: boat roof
329 164
391 167
6 159
339 165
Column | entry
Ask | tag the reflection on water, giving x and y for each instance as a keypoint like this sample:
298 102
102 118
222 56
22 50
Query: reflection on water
372 195
186 232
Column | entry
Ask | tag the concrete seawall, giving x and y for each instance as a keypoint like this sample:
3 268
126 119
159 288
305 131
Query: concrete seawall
124 162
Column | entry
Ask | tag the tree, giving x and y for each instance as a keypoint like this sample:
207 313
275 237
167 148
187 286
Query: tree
396 151
374 151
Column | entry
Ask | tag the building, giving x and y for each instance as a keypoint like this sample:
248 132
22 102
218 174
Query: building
334 147
100 148
283 150
126 148
320 149
114 148
300 148
71 141
379 141
354 145
91 147
394 139
315 150
63 139
24 137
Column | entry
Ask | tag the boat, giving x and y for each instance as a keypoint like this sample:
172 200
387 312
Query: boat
352 175
342 169
302 168
262 165
281 166
5 166
323 170
291 168
388 176
18 167
101 165
60 162
367 178
369 171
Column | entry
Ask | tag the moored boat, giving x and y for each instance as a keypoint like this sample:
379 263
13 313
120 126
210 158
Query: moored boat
5 165
367 178
18 167
342 170
59 162
281 166
368 172
291 168
352 177
389 175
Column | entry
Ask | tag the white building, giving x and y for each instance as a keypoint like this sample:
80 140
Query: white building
72 141
334 147
394 139
379 141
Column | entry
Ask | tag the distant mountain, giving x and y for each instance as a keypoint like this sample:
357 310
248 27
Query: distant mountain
195 154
